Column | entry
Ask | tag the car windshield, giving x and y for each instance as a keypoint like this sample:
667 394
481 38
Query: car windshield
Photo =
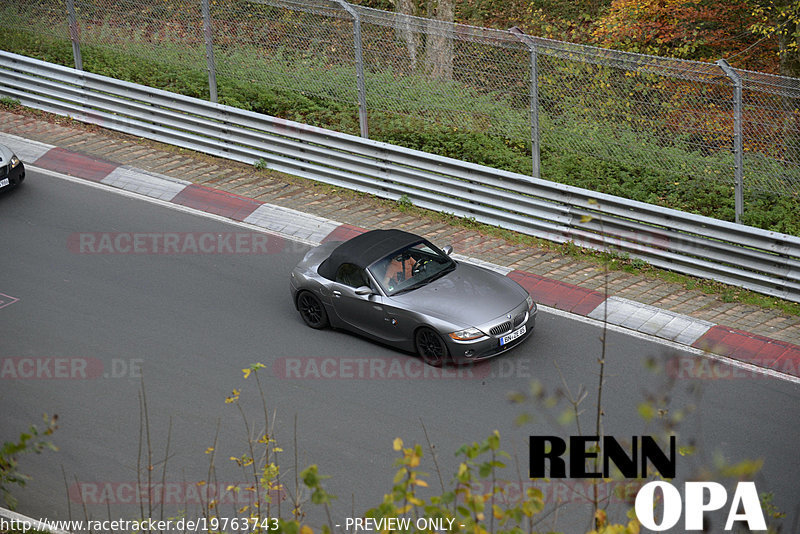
410 268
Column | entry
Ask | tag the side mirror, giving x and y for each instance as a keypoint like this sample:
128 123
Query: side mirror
448 249
363 290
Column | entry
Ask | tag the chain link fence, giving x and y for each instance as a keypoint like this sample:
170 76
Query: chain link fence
389 73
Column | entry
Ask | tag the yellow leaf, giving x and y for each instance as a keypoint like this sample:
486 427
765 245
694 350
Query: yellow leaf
600 518
399 475
398 444
534 493
462 469
498 512
646 411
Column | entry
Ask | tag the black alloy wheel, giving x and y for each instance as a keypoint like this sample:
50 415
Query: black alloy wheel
312 310
430 347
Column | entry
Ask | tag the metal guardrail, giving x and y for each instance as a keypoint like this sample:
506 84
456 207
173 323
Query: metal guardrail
760 260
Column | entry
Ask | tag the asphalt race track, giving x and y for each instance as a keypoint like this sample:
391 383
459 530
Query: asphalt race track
84 330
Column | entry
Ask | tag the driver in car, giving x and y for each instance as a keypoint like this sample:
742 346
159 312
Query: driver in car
399 269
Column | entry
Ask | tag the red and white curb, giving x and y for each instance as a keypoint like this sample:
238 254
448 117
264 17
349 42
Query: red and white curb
774 356
651 320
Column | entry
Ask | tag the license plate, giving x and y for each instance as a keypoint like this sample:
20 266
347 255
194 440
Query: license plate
4 182
505 340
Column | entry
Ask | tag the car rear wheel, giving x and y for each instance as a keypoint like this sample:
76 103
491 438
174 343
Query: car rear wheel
311 310
430 347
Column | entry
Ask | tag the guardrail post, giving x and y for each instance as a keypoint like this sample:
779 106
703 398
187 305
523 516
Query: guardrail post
74 35
738 141
208 35
362 91
535 149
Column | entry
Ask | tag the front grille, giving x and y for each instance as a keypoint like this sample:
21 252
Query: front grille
3 170
502 328
507 326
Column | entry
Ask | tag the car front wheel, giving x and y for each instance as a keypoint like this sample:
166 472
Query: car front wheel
311 310
430 347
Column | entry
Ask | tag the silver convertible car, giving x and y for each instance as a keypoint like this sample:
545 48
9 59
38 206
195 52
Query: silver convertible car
399 289
12 171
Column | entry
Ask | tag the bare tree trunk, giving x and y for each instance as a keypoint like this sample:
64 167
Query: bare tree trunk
789 53
790 66
404 31
439 43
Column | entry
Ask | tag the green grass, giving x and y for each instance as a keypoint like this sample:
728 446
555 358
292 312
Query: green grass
604 157
307 89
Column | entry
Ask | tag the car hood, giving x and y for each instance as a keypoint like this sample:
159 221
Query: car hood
467 296
5 154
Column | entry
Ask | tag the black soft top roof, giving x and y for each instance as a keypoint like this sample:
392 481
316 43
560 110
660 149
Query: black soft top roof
367 248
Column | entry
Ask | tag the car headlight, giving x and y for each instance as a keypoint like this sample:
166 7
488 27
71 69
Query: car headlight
14 161
468 334
529 301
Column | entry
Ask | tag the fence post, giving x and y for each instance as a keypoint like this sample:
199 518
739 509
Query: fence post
362 91
738 141
74 35
535 149
208 35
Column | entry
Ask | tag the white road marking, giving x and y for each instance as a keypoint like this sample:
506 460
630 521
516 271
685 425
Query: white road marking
546 309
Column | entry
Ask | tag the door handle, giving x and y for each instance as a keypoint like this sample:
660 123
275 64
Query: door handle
337 293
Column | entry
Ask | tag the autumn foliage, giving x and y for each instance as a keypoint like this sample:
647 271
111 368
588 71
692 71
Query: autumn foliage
751 34
683 29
